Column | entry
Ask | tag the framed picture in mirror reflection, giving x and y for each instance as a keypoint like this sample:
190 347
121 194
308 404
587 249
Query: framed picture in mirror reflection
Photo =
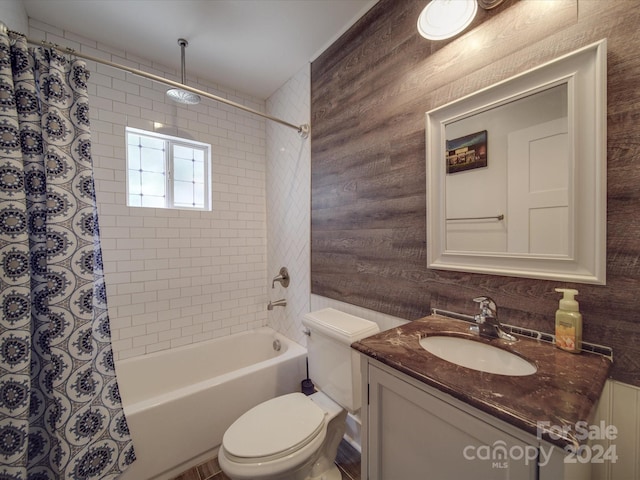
467 152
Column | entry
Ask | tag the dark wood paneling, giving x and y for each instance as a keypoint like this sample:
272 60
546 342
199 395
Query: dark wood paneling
369 93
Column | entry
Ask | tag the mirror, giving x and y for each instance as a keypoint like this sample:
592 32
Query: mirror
516 174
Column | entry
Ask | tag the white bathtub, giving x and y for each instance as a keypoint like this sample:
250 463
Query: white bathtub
179 402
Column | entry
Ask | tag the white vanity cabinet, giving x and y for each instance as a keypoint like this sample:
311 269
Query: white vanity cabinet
414 431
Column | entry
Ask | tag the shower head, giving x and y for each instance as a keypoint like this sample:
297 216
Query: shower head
182 96
177 94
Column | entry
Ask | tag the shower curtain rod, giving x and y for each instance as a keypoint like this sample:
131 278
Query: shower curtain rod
303 130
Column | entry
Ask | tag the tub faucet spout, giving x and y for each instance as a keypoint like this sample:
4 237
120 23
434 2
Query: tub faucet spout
278 303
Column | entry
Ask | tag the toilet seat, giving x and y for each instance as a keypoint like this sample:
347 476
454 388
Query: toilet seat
274 429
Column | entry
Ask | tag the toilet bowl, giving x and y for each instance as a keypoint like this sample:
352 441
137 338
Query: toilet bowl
296 437
292 437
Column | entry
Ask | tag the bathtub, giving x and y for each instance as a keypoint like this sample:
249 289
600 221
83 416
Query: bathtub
179 402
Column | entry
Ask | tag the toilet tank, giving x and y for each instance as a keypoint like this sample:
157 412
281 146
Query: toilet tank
334 366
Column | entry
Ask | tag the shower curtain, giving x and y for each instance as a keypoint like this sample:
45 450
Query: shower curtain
60 410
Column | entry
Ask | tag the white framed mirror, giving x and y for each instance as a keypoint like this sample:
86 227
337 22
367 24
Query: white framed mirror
516 174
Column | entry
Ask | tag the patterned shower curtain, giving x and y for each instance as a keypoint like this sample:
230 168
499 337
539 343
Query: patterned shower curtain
60 410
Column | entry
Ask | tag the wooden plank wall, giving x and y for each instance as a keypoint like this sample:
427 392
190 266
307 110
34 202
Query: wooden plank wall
370 91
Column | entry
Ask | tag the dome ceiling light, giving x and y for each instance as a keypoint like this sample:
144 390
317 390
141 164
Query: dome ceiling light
442 19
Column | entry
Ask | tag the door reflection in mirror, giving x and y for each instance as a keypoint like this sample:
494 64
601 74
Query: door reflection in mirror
526 179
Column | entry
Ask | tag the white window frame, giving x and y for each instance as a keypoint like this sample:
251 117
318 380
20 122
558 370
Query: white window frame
169 143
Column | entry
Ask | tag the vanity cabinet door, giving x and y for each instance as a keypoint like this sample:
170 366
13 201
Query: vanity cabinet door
412 434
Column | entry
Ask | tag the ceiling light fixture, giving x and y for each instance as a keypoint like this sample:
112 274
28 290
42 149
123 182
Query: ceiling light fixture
442 19
489 4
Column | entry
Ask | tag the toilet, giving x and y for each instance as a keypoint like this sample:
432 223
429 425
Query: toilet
294 436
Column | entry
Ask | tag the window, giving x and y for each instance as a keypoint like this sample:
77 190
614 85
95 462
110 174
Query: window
167 172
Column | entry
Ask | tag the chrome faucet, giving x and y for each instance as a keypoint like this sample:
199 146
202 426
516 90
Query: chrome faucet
283 278
278 303
487 321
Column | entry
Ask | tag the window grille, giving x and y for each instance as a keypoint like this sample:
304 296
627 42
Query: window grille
167 172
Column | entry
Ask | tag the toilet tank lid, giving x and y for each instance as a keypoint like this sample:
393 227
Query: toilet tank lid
340 325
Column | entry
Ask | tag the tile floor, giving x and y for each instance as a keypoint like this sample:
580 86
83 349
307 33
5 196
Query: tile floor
348 461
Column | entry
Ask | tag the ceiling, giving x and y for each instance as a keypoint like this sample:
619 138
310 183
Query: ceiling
251 46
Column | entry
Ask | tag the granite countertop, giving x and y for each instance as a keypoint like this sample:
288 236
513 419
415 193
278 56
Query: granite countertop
564 390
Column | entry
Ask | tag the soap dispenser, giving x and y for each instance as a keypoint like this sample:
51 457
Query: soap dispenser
568 322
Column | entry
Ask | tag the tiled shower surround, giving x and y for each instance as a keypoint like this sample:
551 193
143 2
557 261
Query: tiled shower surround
175 277
289 204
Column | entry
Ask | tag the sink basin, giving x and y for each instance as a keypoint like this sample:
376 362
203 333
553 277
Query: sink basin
477 355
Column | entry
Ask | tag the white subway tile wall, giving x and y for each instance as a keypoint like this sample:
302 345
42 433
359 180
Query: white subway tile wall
174 276
289 204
